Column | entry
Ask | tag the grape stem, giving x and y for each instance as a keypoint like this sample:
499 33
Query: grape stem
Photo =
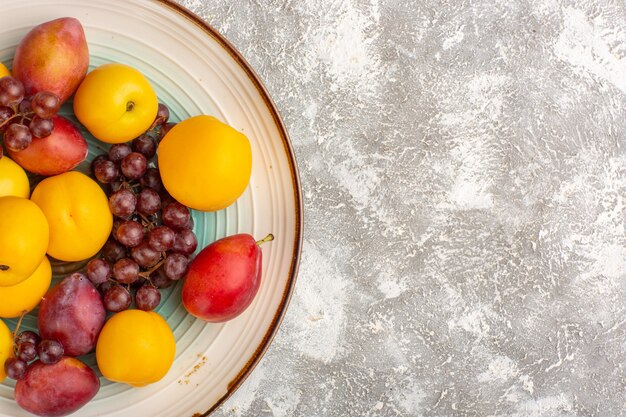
19 323
149 224
154 125
9 119
130 186
266 239
146 274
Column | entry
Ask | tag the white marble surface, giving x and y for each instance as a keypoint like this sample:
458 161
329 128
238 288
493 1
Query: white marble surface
464 173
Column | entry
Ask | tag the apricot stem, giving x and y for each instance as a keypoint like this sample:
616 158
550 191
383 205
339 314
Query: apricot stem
130 106
266 239
4 267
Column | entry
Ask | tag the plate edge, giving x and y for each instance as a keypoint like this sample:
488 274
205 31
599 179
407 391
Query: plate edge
295 176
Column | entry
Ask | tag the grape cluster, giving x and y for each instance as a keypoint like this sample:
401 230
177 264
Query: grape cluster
21 117
152 239
27 347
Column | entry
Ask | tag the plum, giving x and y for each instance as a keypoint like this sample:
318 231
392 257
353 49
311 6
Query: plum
73 314
60 152
53 57
224 278
56 390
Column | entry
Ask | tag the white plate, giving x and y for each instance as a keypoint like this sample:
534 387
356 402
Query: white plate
195 71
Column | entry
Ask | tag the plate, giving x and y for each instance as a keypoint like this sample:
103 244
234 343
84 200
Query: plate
194 71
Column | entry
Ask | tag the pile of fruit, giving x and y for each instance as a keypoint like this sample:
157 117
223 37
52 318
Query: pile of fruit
129 222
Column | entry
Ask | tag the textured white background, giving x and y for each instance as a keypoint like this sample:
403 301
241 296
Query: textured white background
464 173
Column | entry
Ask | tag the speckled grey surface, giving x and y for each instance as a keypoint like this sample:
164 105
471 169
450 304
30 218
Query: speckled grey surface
464 174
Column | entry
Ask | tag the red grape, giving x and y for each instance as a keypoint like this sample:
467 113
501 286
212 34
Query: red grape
98 271
27 351
15 368
17 136
45 104
113 251
134 165
27 336
164 129
117 298
105 171
175 215
25 106
97 160
123 203
5 114
148 202
185 242
163 114
105 286
119 151
116 186
41 128
152 179
175 266
116 224
147 298
130 233
166 198
145 145
126 271
145 256
161 238
50 351
159 279
11 91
